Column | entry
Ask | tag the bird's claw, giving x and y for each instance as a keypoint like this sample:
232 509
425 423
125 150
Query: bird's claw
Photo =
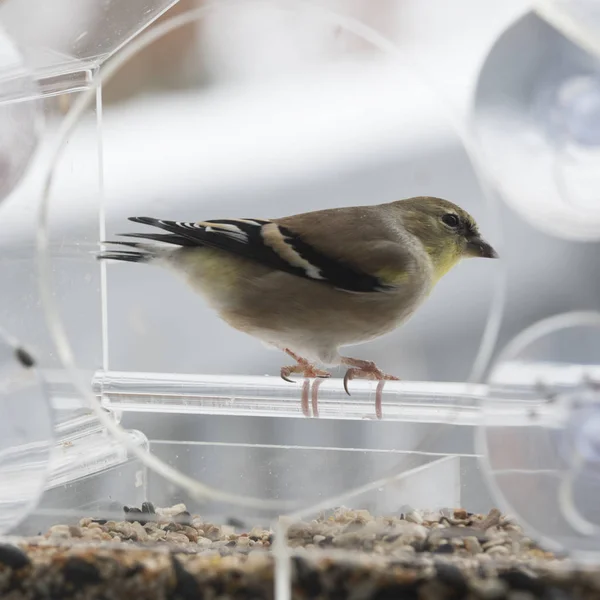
285 377
304 369
368 370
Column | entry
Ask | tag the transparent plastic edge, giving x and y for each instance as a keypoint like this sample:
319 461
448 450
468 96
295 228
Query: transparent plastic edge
18 349
516 345
570 27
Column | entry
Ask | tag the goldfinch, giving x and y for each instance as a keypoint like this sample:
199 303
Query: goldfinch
314 282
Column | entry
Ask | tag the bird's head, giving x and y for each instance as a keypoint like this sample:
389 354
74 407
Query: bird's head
448 233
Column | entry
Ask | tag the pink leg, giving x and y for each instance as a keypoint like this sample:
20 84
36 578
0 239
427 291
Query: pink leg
309 371
365 369
315 397
301 366
304 397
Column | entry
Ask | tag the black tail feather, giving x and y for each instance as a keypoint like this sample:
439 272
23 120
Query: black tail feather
128 244
144 252
144 220
136 257
176 232
168 238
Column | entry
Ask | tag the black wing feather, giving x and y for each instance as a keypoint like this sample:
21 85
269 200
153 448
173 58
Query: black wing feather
336 272
244 238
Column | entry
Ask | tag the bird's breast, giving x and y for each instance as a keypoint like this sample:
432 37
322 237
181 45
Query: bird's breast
282 305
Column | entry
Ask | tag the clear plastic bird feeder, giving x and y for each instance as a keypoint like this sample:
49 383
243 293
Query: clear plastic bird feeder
152 399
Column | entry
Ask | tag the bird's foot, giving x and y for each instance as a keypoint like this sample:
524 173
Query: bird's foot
302 366
365 369
309 371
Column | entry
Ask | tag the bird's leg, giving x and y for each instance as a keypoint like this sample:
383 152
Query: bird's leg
302 366
304 397
309 371
365 369
315 397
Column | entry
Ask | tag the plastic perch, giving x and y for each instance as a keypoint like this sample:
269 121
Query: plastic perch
408 401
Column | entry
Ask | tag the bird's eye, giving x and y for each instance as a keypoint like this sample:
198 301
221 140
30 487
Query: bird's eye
451 220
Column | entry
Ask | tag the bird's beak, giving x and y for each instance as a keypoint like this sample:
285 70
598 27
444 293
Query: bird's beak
478 247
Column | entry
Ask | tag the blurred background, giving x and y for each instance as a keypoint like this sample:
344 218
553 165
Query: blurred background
256 111
270 112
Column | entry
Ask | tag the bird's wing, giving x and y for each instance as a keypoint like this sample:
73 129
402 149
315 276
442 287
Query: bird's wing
271 244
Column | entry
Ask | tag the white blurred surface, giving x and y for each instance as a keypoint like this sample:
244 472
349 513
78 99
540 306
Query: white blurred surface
347 132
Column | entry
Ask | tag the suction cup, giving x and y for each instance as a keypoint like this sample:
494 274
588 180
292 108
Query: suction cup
541 431
536 116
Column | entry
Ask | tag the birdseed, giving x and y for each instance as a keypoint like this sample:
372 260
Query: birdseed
170 554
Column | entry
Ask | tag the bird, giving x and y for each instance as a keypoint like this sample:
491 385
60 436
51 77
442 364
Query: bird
315 282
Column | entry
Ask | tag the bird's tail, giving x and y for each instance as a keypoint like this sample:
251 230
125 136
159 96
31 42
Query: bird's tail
141 252
136 252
